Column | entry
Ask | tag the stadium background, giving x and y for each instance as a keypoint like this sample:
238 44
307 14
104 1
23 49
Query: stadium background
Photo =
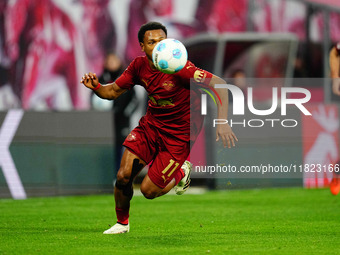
51 142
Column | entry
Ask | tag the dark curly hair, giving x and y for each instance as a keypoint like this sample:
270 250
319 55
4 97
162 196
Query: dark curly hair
152 25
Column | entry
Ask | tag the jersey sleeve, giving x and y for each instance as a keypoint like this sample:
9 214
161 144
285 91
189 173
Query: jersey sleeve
191 73
127 79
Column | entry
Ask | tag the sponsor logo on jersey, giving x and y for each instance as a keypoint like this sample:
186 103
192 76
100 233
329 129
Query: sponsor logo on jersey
168 85
156 100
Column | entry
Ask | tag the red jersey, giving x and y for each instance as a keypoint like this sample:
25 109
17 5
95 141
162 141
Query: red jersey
169 95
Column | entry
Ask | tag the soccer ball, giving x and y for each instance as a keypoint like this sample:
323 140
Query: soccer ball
169 56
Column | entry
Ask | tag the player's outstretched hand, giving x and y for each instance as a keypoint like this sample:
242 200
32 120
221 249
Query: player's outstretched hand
90 80
226 134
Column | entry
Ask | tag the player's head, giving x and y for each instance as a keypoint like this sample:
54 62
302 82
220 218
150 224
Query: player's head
149 35
112 62
152 25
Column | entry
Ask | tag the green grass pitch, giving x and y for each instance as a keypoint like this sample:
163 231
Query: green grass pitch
263 221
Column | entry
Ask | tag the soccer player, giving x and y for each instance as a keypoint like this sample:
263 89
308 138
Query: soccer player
334 58
163 134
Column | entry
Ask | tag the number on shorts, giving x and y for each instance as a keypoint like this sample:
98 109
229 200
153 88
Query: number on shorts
169 166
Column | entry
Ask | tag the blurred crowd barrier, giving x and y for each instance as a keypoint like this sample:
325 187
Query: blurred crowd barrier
51 153
64 153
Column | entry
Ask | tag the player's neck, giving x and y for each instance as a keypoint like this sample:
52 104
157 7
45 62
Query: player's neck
152 66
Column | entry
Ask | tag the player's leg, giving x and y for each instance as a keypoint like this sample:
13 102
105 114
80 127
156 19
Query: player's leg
181 184
165 171
140 147
130 167
150 190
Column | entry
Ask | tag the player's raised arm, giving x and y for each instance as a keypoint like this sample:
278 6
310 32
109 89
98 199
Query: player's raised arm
223 131
109 91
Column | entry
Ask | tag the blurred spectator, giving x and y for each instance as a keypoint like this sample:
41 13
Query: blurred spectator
123 107
299 68
238 78
8 99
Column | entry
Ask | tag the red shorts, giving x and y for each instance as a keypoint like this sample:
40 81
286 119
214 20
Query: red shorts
167 152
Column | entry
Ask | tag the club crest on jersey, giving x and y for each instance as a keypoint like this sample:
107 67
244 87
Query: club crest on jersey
131 137
199 76
168 85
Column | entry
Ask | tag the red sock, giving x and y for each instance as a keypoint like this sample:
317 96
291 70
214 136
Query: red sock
122 215
179 176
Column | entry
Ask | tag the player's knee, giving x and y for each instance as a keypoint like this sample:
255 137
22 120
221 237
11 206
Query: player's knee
123 177
124 183
148 194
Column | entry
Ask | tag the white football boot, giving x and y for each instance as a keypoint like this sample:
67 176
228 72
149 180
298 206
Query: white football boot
118 229
184 184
